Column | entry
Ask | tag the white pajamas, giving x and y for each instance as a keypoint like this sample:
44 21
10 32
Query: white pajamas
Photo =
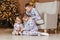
30 28
16 27
34 14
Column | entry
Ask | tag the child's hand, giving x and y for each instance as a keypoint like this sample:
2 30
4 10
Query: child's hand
19 29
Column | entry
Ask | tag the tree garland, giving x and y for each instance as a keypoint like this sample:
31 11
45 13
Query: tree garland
8 9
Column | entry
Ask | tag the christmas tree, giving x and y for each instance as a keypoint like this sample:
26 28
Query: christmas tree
8 10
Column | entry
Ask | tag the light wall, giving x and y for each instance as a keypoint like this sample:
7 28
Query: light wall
59 6
47 7
21 3
47 0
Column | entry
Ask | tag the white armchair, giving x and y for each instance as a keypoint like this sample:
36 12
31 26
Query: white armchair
49 13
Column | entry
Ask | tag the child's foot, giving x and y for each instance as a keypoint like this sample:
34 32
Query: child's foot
39 34
44 34
14 33
20 33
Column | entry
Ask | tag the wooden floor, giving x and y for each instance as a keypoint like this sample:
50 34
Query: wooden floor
5 34
9 30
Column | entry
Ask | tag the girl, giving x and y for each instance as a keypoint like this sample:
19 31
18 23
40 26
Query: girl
18 26
32 12
30 27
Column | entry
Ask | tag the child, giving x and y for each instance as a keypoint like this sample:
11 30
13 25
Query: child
18 26
30 27
32 12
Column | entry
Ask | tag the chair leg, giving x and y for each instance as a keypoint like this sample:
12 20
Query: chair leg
55 31
45 30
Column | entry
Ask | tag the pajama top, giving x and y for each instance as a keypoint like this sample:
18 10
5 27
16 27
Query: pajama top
30 25
17 25
34 14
